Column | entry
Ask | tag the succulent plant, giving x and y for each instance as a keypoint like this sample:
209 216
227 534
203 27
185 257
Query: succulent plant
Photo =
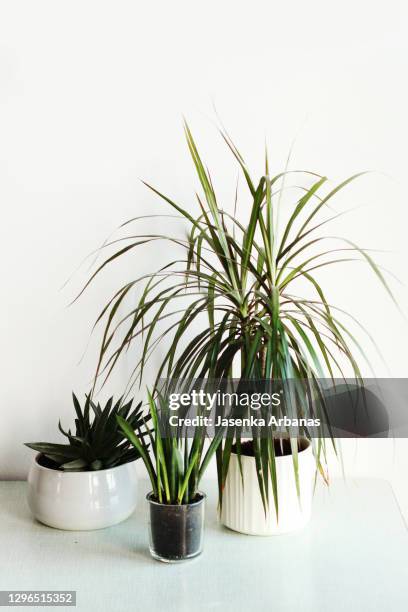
98 442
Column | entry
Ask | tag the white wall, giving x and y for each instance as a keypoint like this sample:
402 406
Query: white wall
91 96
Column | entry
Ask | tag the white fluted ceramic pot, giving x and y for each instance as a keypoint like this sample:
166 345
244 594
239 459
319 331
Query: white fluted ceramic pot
242 508
82 500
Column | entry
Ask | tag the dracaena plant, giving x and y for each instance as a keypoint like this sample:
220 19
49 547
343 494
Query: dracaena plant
176 464
97 442
240 275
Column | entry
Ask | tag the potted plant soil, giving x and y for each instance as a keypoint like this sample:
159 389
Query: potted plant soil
176 505
254 299
91 482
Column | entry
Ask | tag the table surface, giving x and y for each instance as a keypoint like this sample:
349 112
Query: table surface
353 556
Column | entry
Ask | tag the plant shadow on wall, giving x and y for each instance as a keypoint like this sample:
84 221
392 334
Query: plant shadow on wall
241 277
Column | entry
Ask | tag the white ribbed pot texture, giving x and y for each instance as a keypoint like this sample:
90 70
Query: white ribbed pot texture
82 500
242 508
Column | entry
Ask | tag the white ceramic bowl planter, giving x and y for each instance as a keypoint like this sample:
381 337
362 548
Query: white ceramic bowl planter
82 500
242 508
